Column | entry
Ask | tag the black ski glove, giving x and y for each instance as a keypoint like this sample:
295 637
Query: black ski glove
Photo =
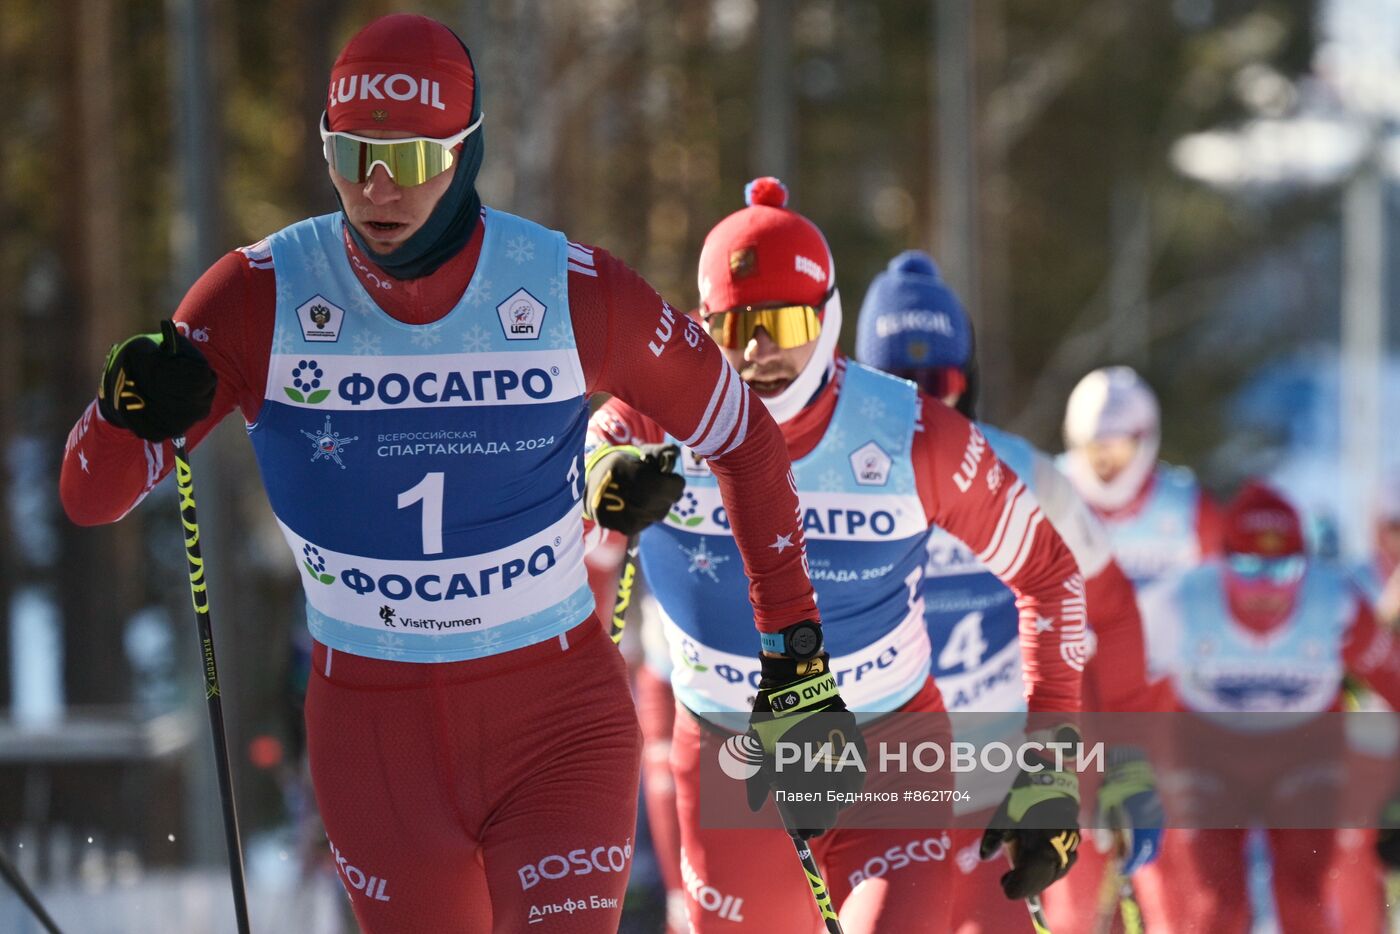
798 703
1045 799
630 487
1388 847
156 385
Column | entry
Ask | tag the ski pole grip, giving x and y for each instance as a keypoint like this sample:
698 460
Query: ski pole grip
169 333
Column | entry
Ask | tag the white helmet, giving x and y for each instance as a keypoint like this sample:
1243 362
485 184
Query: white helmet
1112 402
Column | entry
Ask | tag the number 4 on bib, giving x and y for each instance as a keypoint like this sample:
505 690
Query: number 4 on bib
965 645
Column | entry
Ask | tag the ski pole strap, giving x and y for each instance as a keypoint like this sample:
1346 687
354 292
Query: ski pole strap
819 890
603 450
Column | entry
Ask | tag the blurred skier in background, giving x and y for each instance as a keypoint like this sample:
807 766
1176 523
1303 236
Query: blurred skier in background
1263 629
914 326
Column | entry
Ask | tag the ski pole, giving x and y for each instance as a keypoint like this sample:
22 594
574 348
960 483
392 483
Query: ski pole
667 462
818 884
1130 910
1107 909
1034 906
624 591
199 594
1119 902
1118 898
26 894
1037 912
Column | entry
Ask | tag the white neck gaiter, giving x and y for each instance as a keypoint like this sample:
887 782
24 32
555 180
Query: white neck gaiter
793 399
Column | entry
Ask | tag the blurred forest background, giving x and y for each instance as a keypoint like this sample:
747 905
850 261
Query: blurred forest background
1069 164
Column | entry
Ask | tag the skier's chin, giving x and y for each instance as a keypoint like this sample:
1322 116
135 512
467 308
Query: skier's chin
768 388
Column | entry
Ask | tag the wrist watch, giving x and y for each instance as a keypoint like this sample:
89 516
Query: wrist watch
801 641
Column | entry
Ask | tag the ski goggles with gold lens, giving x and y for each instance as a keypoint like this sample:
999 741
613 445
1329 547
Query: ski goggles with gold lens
788 326
410 161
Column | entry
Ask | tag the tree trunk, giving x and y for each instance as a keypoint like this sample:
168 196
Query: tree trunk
313 59
94 313
774 121
10 324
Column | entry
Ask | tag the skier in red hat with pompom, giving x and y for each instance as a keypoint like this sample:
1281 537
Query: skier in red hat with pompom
875 464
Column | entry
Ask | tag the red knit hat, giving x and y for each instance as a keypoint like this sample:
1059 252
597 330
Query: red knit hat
764 254
403 72
1261 522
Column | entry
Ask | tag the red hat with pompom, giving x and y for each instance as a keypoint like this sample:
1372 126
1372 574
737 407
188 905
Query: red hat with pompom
403 72
765 254
1261 522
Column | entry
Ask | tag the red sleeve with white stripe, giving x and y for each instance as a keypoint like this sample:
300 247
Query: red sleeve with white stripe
228 314
968 491
1371 652
1115 679
663 365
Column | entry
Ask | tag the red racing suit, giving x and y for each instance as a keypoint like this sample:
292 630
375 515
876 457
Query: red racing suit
500 790
881 880
1199 883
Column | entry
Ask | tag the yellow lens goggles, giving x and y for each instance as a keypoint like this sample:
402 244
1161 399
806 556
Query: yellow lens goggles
788 326
409 162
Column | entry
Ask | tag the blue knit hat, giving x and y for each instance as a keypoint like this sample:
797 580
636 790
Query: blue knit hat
910 319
